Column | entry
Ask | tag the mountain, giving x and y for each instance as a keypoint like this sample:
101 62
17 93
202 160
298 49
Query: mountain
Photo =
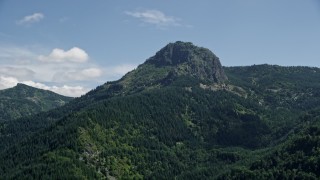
23 100
187 59
179 115
176 61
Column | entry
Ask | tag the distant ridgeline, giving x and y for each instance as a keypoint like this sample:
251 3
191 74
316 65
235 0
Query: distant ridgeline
23 100
179 115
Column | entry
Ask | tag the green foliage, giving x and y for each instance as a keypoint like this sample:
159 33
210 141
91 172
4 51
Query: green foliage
121 135
297 158
169 119
23 100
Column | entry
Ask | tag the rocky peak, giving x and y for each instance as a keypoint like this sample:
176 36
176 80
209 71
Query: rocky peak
189 59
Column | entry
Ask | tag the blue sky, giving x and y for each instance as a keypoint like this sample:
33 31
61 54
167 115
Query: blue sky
71 47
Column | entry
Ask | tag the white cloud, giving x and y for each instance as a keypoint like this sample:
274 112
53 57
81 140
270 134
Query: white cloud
81 75
20 73
36 17
7 82
154 17
75 54
22 65
91 72
16 55
71 91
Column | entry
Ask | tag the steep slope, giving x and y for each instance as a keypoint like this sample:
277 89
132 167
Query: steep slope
23 100
297 158
174 61
188 59
289 92
175 116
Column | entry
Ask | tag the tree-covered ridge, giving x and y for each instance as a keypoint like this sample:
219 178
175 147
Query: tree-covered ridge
297 158
178 131
288 91
23 100
122 135
161 121
171 62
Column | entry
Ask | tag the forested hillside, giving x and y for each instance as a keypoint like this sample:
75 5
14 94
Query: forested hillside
23 100
180 115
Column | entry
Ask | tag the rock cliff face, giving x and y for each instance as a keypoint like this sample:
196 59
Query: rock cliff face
189 59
